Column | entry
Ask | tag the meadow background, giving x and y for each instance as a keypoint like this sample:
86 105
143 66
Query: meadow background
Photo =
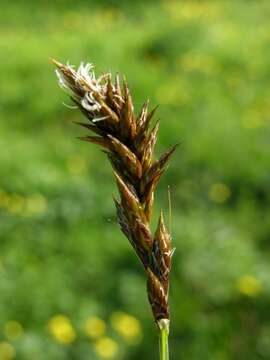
70 285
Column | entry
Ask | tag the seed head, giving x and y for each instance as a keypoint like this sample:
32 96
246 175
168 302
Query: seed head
129 144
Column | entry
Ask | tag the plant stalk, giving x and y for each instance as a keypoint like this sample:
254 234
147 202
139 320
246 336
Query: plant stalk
163 325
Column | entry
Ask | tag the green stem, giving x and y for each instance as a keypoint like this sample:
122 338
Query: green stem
163 325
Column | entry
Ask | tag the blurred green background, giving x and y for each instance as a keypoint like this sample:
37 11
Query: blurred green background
70 284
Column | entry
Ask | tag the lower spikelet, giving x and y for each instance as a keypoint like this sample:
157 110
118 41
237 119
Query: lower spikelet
129 145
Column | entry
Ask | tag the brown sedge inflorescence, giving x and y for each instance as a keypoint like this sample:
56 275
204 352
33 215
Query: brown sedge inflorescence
129 144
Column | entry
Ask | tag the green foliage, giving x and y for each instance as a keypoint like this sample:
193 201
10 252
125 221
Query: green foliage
206 63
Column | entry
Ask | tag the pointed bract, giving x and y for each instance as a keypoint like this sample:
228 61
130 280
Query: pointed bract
96 140
128 158
148 150
157 297
162 252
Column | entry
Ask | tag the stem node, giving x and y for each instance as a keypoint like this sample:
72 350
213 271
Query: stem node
164 326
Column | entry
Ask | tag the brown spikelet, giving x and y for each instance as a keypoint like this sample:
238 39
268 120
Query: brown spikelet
129 145
127 157
110 93
157 297
148 149
142 117
144 235
96 140
162 253
128 195
159 165
112 117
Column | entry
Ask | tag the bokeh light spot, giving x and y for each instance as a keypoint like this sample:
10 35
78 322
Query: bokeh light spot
4 199
16 204
36 204
219 193
61 329
13 330
127 326
106 348
95 327
248 285
7 351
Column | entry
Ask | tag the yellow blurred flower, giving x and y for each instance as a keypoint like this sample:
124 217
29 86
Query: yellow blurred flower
7 351
219 192
248 285
16 204
76 165
13 330
61 329
4 199
36 204
106 348
95 327
127 326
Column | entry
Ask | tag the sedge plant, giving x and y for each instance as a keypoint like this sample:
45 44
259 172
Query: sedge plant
128 141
